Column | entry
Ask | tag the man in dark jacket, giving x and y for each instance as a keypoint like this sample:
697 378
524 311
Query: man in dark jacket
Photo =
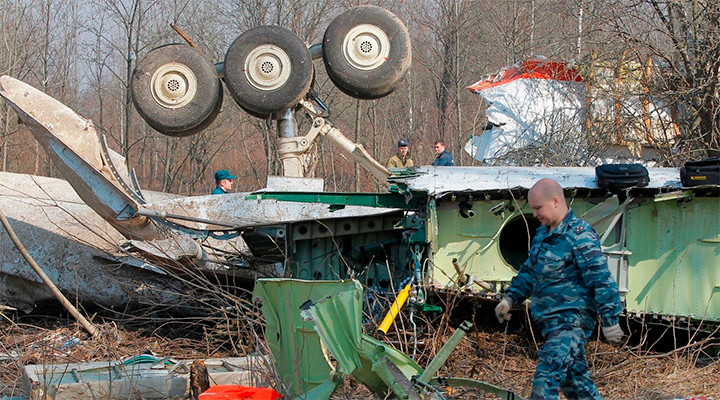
223 182
442 156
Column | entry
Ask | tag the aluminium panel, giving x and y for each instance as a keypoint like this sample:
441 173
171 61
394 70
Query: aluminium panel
673 268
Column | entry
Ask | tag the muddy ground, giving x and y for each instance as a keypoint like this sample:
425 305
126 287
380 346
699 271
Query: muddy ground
502 357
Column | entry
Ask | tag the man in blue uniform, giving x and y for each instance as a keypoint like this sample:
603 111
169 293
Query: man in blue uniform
567 276
442 156
223 182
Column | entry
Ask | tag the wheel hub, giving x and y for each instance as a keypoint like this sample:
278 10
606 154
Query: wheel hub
267 67
173 85
366 47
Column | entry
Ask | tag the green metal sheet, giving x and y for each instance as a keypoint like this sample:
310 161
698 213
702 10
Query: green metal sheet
673 268
377 365
472 242
306 320
384 200
476 242
338 321
293 342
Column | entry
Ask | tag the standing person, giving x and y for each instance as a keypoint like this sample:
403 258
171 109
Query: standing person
570 283
223 182
402 158
442 156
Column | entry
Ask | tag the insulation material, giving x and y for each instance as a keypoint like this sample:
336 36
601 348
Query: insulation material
528 101
542 105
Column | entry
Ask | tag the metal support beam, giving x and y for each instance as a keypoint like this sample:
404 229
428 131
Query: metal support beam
339 200
444 353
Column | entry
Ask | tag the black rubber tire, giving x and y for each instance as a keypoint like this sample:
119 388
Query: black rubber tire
208 121
372 81
257 89
255 114
198 111
265 116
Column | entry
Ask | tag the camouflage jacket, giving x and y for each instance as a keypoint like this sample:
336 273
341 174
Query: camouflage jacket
567 276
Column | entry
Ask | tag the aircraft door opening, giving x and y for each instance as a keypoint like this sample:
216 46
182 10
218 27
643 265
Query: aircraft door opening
515 239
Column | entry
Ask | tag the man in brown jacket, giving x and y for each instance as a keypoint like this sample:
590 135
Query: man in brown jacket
401 159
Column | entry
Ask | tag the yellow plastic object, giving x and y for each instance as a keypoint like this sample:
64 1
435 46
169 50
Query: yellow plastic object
395 309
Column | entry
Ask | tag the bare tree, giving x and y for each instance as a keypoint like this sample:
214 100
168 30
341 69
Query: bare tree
683 37
57 66
121 27
15 56
39 41
447 42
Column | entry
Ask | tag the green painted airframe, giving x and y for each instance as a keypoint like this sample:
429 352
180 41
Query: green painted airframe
470 227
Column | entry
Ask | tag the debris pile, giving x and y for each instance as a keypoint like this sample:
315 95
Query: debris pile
500 358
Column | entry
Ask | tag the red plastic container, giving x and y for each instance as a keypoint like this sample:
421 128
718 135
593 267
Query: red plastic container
237 392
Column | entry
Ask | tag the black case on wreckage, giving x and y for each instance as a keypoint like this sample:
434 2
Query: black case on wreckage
621 176
701 172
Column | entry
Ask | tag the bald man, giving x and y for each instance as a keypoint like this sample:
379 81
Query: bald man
568 279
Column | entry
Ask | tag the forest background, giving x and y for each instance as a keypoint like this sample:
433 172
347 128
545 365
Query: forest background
83 53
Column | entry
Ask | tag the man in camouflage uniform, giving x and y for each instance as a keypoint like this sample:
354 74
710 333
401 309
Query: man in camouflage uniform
567 276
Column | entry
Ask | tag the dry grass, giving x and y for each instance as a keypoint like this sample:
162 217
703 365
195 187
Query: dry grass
504 359
509 360
30 344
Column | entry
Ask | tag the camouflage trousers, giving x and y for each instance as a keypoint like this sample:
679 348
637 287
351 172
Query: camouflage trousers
562 364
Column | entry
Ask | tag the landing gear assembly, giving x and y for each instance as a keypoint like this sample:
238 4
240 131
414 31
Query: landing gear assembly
269 72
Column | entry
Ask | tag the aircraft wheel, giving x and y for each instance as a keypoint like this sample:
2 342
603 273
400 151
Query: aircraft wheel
366 51
263 116
176 90
268 69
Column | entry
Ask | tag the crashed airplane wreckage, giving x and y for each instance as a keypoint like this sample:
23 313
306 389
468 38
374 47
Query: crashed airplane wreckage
437 230
469 229
232 240
443 227
145 239
550 107
76 247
